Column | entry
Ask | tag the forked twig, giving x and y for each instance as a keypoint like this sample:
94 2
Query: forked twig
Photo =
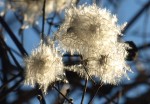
88 73
41 98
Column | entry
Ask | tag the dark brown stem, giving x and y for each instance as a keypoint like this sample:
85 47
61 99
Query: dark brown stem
85 87
95 94
63 95
88 73
13 37
43 20
40 97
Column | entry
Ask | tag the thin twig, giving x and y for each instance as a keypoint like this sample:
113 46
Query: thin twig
88 73
67 94
10 80
85 87
43 20
62 95
3 95
144 46
13 37
40 97
11 54
119 96
51 23
95 93
146 6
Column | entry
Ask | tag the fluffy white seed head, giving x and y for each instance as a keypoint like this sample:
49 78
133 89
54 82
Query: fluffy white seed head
93 32
43 66
88 27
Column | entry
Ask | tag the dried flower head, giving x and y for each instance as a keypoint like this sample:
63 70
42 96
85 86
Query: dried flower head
93 32
43 66
32 9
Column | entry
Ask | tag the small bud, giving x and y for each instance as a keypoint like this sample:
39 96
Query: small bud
132 51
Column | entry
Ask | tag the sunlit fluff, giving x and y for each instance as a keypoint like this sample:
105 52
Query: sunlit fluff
32 9
43 66
93 32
